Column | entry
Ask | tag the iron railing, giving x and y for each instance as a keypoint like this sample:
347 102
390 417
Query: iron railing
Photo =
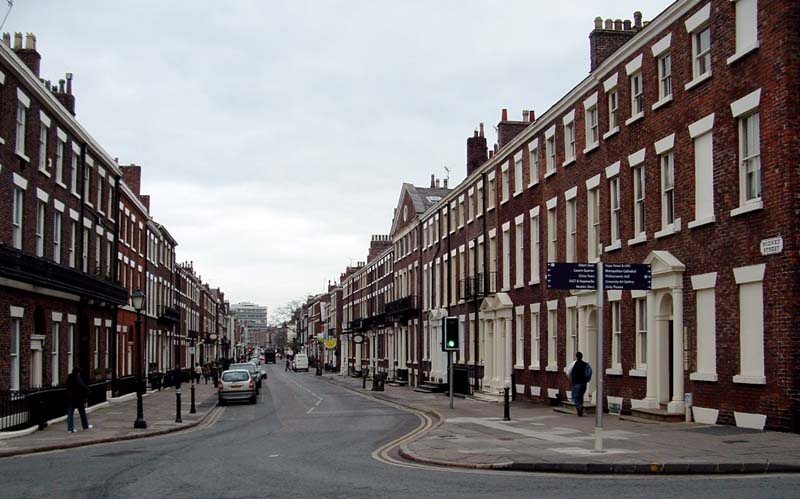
20 410
477 286
403 305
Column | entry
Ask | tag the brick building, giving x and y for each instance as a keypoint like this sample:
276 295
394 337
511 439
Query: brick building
675 151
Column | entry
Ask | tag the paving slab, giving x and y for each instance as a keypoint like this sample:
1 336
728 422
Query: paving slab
114 422
473 434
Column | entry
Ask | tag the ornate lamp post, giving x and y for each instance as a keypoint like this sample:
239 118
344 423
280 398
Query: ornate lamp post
137 300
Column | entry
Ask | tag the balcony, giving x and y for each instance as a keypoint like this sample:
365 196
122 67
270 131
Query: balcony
402 308
477 286
356 325
169 315
20 266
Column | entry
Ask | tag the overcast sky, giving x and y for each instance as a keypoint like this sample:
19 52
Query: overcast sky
274 136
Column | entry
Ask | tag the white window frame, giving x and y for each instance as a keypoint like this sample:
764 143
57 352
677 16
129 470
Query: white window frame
746 28
663 58
745 109
506 256
703 142
535 337
594 245
615 207
640 310
637 97
751 324
505 188
552 335
612 103
518 181
519 259
58 227
697 26
519 336
23 104
534 236
55 345
44 130
550 151
639 177
41 220
570 152
18 215
706 313
552 230
572 224
616 335
491 191
591 123
533 162
15 354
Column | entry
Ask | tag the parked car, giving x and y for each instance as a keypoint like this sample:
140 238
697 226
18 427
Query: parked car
237 385
300 362
252 369
269 356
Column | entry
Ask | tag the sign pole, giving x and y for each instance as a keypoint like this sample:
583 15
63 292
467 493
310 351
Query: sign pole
598 430
450 368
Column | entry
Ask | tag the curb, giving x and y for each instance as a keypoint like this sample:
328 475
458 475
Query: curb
72 445
612 469
584 468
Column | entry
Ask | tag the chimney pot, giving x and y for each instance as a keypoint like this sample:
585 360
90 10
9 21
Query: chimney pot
475 134
481 130
618 25
433 182
609 24
637 19
7 39
598 22
30 41
17 41
626 24
525 114
438 183
491 154
532 116
445 183
504 115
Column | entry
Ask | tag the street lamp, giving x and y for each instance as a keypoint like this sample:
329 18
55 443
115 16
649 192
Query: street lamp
320 352
137 300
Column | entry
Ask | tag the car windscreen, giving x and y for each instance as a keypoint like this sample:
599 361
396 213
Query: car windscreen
235 376
246 367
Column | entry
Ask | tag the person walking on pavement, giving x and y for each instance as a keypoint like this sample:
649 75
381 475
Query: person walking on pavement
197 372
76 398
287 363
579 374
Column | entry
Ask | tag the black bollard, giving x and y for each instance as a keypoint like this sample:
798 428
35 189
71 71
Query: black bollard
178 406
506 405
192 409
364 375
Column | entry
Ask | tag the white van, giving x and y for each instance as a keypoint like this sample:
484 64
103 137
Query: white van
300 362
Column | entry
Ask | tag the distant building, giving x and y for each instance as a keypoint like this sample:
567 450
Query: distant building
251 315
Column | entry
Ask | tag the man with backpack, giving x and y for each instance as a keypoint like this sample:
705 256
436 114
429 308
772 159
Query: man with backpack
579 374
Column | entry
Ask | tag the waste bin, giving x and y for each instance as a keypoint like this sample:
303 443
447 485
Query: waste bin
378 381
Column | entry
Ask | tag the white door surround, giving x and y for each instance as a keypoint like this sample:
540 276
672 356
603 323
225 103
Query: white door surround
496 314
438 358
665 308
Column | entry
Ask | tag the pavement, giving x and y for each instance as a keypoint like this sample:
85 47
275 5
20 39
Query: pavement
113 421
538 438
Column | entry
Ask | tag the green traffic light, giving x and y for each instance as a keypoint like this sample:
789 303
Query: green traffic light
451 343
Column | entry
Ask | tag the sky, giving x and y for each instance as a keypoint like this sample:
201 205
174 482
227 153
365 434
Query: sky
274 136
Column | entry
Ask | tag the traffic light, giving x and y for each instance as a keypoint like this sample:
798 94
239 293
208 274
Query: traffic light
450 334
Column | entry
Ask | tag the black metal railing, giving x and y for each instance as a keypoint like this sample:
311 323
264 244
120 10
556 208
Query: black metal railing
356 324
403 305
20 410
477 286
169 315
126 385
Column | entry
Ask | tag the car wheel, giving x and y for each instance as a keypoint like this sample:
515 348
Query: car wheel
253 400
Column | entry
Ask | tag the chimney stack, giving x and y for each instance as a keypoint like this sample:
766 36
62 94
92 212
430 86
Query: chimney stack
65 95
507 130
27 52
609 35
433 182
476 150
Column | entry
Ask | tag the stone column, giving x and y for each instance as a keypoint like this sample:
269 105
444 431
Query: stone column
508 362
651 400
676 405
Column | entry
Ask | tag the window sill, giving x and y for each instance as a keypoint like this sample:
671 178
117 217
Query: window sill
738 55
44 172
568 162
22 156
750 380
62 185
638 373
505 289
703 221
89 204
504 201
747 208
534 183
549 174
663 101
712 377
2 141
551 368
519 366
534 367
634 119
611 133
489 209
614 371
76 194
591 148
460 227
533 283
638 239
613 247
670 229
517 193
698 80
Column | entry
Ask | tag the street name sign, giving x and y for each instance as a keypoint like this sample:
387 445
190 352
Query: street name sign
627 276
571 275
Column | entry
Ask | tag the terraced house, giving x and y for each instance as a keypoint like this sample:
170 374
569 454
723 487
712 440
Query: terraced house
678 150
76 240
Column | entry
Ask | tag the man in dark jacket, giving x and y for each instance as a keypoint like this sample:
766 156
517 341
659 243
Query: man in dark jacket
76 398
580 374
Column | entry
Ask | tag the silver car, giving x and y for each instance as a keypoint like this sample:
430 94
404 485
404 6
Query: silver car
236 385
252 369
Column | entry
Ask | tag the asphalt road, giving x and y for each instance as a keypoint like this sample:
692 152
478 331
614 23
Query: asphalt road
307 438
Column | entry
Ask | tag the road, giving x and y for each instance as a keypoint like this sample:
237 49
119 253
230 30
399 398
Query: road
308 438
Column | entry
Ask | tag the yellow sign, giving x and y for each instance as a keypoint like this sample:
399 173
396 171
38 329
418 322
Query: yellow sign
330 344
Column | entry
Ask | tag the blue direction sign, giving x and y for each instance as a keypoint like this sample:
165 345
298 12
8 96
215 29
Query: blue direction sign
627 276
571 275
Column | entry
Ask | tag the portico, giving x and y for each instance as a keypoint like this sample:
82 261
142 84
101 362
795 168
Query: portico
496 313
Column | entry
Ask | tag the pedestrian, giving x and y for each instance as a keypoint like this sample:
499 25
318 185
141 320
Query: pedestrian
579 374
197 372
77 392
287 363
205 373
